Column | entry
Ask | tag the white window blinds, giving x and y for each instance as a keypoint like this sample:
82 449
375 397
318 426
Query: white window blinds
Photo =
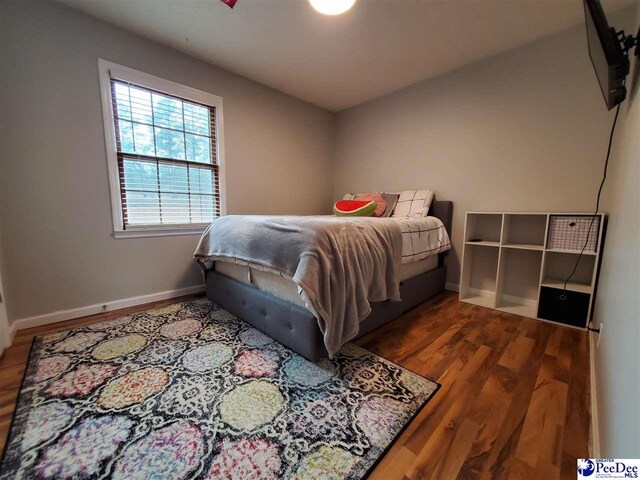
166 152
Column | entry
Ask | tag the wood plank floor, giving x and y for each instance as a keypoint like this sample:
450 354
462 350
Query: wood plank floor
514 401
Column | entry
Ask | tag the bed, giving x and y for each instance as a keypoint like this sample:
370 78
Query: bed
275 304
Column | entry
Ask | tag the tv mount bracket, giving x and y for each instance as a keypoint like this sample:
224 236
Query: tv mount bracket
627 42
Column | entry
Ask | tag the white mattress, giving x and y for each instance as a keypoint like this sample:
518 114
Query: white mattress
285 289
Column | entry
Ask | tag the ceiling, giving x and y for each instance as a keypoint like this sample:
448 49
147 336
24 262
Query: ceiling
337 62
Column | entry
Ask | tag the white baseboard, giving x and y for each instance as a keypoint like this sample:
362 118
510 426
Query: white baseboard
454 287
481 293
12 332
595 429
519 300
62 315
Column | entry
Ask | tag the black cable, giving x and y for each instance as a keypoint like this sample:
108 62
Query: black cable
595 214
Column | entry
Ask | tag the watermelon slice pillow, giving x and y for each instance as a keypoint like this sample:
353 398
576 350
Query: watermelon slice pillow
376 197
354 208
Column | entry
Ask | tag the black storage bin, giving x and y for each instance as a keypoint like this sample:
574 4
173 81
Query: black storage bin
572 311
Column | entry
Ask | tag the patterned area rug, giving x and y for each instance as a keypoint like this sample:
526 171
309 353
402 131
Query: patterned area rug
190 391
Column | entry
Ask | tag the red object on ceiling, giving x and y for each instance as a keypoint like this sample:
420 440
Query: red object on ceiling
231 3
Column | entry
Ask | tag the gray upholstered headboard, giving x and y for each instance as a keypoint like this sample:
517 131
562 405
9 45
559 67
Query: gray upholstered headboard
443 209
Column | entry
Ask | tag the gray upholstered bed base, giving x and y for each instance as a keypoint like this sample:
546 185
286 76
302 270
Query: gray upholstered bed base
296 327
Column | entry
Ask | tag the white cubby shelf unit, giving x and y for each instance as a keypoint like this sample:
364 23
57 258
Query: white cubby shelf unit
507 265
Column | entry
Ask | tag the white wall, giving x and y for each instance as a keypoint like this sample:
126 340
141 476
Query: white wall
525 130
618 301
55 218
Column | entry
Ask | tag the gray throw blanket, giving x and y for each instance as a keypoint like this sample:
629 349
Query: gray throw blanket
341 264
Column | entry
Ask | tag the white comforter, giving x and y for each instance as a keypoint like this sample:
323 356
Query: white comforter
422 237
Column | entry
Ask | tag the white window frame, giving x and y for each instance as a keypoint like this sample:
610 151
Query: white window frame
107 71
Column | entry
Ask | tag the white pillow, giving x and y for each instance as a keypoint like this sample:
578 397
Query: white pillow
413 203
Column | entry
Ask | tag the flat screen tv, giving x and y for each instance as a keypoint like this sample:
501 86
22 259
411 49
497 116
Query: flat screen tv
607 55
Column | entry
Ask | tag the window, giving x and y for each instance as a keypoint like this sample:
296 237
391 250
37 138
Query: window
163 145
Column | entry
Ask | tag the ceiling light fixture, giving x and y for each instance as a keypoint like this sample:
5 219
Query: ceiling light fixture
332 7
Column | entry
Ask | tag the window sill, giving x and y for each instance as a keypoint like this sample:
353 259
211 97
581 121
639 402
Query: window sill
159 232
